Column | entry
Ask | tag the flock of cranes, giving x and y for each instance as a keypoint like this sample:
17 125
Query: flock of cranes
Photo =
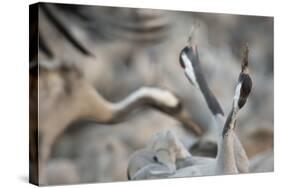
165 155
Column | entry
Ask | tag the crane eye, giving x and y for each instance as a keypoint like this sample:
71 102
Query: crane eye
155 159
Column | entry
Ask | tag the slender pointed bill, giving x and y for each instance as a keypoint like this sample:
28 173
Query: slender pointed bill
188 69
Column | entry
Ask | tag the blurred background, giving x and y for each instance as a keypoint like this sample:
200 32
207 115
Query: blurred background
118 50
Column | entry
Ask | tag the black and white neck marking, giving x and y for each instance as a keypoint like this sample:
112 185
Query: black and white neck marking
242 92
189 61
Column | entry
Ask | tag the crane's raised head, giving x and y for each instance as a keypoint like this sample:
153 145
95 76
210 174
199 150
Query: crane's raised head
244 86
188 60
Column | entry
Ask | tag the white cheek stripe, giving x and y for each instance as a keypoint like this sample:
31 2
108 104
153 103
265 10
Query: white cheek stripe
237 96
188 70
